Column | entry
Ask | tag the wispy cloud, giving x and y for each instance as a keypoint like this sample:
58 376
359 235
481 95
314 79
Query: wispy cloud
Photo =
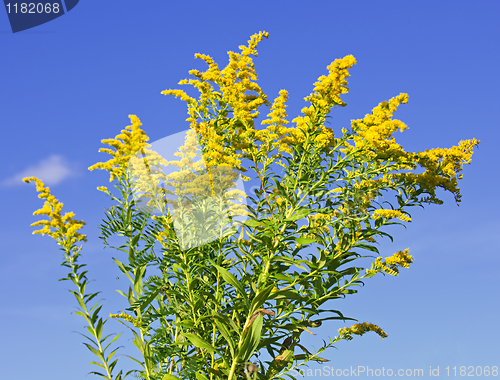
51 171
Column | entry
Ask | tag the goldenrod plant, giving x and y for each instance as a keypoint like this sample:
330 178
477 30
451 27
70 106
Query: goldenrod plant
223 283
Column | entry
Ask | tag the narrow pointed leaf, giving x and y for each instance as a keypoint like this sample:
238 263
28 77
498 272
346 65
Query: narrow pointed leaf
199 342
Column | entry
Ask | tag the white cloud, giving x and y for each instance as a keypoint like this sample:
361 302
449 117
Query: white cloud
51 171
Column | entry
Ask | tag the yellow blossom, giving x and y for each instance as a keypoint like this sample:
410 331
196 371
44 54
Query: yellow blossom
390 214
360 329
328 89
62 228
135 321
318 223
131 140
391 264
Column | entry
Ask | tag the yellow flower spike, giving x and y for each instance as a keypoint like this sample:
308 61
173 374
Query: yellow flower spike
126 144
135 321
180 94
328 89
234 82
278 111
64 227
391 264
360 329
390 214
374 131
104 189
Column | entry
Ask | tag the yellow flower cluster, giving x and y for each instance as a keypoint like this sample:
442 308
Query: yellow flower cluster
235 137
145 175
326 94
325 139
218 168
344 210
371 184
275 133
238 77
216 150
168 233
147 169
374 138
135 321
328 89
179 94
278 112
318 224
391 264
450 159
233 82
360 329
390 214
131 140
442 168
61 228
224 114
225 138
374 132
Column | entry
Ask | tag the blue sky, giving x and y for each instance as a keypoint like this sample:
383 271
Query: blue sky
69 83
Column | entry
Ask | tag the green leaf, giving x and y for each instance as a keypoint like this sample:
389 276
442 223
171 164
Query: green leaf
227 336
99 374
112 340
150 299
112 353
279 362
260 298
304 241
315 358
201 376
87 337
95 314
302 213
199 342
135 360
138 341
94 351
98 329
139 274
129 215
98 364
81 314
170 377
287 294
228 322
367 247
123 269
131 250
252 339
79 299
189 324
252 223
230 279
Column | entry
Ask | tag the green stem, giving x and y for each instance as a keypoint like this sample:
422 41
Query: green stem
80 284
